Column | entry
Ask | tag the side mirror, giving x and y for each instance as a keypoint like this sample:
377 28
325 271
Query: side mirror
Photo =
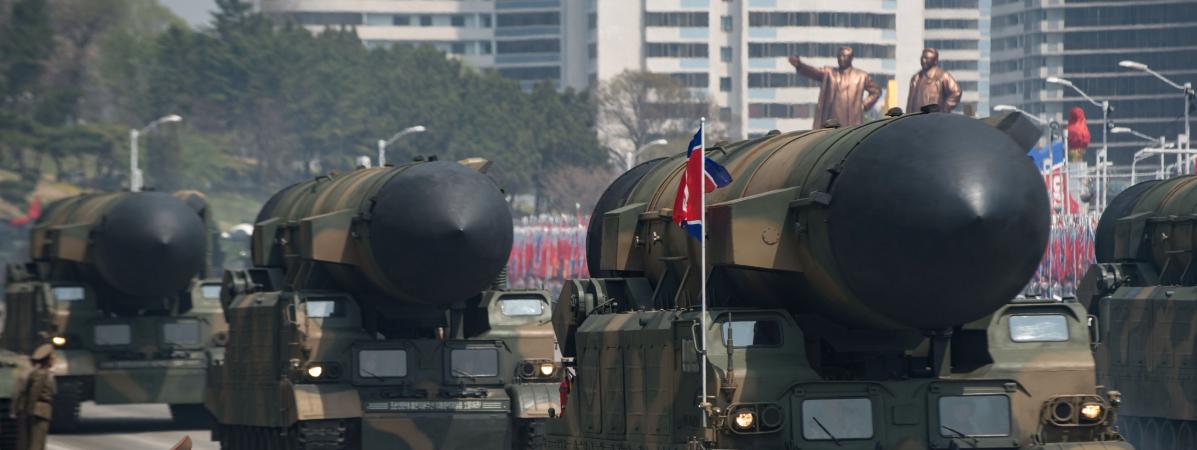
1094 331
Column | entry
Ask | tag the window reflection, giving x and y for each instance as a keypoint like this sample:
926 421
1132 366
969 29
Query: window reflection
837 418
974 416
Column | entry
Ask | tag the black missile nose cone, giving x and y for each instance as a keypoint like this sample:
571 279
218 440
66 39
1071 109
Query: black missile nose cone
440 232
965 220
150 245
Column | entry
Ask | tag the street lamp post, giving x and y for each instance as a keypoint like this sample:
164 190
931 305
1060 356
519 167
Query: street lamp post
135 178
1186 88
382 144
629 159
1147 152
1103 155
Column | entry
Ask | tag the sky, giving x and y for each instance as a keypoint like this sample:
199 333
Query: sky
195 12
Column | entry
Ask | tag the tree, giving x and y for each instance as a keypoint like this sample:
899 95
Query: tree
25 42
570 187
635 108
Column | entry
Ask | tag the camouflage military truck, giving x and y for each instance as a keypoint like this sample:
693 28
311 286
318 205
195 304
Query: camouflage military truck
860 286
372 319
115 283
1143 287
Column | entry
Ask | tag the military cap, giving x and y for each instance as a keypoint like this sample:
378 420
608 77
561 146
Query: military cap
42 352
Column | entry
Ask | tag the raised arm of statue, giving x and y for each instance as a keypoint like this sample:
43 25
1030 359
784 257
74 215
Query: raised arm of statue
806 70
950 91
874 93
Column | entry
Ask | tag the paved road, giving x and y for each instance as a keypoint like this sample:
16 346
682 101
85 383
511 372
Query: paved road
128 427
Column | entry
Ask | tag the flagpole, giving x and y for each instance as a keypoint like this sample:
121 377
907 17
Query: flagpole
702 266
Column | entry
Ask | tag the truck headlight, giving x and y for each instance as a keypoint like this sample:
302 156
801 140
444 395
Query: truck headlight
1091 411
547 369
315 370
744 420
59 341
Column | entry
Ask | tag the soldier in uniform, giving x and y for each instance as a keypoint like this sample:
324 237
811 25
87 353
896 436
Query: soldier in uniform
33 399
841 90
932 85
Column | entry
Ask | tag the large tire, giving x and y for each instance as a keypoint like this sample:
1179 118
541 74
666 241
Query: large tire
190 415
66 406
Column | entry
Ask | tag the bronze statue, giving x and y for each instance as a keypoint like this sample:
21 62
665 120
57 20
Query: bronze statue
932 85
841 90
34 399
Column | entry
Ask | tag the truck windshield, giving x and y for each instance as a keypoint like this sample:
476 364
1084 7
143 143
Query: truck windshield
752 333
113 334
1039 328
474 362
974 415
833 419
210 291
519 307
181 333
382 363
319 309
68 293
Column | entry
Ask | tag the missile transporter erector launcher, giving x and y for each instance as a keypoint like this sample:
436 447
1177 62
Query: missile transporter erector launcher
115 283
375 316
859 288
1143 289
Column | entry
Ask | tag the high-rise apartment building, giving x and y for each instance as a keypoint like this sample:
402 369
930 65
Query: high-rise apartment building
1083 41
522 39
734 52
954 27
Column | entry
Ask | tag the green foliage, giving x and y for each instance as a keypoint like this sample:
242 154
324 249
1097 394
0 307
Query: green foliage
294 101
264 104
25 42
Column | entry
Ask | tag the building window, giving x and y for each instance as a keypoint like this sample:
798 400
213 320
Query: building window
950 24
592 21
949 4
401 21
780 110
959 65
724 84
484 47
951 44
725 23
485 20
530 19
725 114
676 19
692 79
531 73
457 20
529 46
792 80
675 50
967 85
821 19
457 48
818 49
326 18
592 50
425 21
725 54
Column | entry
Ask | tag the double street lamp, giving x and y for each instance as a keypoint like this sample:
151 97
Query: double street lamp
135 178
382 144
1186 88
1103 155
1163 151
